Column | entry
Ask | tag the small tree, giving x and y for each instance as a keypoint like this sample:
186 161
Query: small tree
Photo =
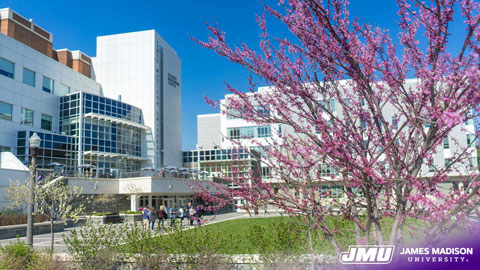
53 198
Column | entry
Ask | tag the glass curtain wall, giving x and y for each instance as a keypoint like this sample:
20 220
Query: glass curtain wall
107 145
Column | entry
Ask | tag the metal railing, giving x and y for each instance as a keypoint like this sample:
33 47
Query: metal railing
120 174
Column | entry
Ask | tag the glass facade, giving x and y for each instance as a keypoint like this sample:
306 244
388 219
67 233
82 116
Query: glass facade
228 163
111 139
222 163
214 155
53 148
28 77
27 117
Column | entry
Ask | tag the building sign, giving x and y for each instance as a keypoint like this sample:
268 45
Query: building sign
172 80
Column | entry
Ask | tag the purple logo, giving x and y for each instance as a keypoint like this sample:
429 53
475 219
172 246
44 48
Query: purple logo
367 254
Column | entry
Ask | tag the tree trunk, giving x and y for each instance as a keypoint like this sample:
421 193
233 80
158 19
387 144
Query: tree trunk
355 215
312 253
377 228
52 234
397 229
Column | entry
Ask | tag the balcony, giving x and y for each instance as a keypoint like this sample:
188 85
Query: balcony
115 120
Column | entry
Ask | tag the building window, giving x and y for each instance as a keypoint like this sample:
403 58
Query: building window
446 143
468 119
448 162
5 111
27 117
63 90
331 192
470 140
47 85
4 148
473 162
249 132
28 77
327 106
7 68
46 122
394 122
233 114
266 172
263 132
262 111
364 124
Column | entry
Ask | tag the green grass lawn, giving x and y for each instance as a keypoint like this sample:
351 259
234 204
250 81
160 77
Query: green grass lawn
255 236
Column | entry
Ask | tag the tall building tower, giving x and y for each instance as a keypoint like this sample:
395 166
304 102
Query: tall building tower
142 68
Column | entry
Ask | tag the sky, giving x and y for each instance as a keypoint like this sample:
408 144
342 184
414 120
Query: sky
76 24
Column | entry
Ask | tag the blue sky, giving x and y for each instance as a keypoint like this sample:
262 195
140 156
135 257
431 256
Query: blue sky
76 24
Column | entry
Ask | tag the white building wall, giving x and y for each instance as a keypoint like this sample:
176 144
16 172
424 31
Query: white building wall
126 65
171 82
209 131
19 94
457 136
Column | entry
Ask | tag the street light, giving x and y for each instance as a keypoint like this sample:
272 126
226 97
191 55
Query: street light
34 145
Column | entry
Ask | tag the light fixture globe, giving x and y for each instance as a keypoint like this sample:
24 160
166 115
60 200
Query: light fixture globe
35 140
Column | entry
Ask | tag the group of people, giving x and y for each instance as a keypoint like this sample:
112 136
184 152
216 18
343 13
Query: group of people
151 215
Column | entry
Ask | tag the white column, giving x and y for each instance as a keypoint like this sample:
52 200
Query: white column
150 200
133 203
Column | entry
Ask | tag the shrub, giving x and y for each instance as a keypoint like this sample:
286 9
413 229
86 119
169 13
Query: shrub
94 247
17 255
104 247
131 212
48 261
101 214
18 218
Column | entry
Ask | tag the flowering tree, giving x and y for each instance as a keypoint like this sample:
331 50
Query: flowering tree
350 117
53 198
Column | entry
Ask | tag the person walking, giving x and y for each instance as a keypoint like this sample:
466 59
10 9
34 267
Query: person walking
181 215
171 215
187 211
161 215
198 216
145 219
191 214
153 217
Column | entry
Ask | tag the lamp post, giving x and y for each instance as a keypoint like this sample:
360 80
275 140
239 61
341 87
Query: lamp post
34 145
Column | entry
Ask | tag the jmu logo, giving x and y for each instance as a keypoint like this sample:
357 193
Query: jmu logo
367 254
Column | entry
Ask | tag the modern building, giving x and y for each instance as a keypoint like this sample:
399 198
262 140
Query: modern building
141 68
213 144
92 105
111 121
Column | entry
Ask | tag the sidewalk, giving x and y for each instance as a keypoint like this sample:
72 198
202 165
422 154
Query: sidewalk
42 241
